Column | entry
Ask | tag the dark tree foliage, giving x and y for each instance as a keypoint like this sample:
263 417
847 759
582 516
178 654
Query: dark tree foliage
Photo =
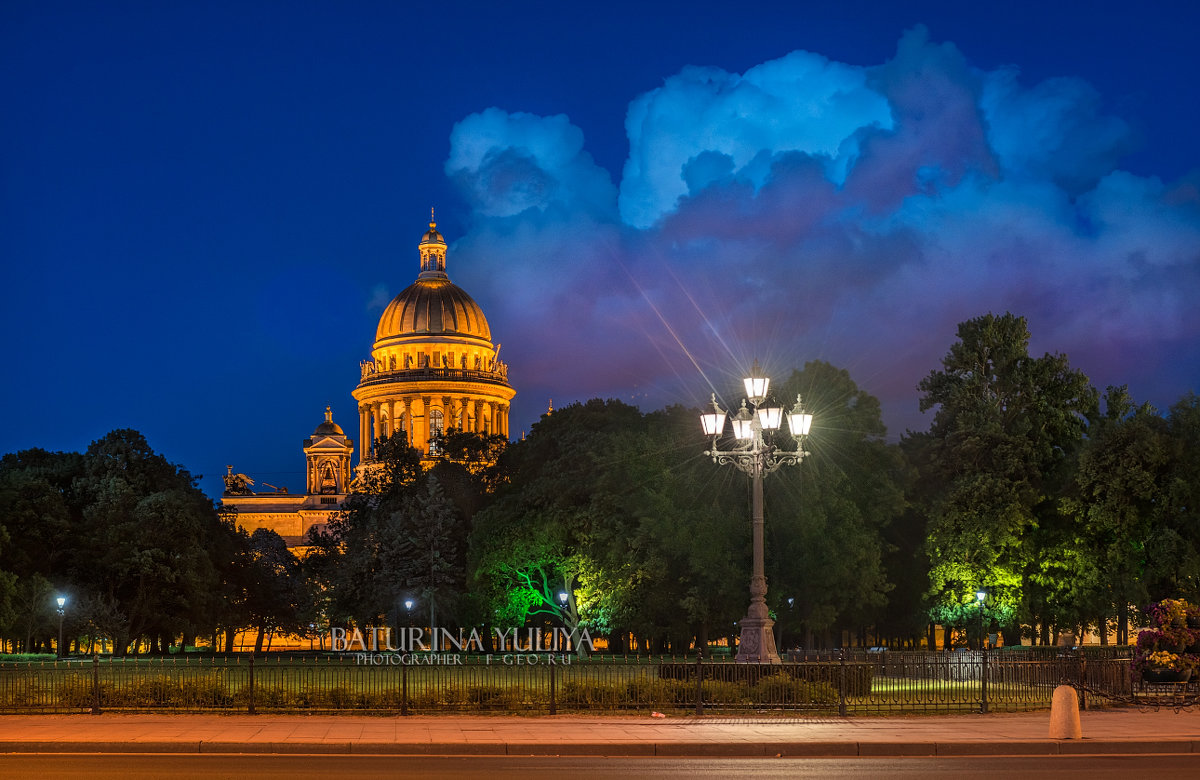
127 536
625 512
401 534
826 519
275 594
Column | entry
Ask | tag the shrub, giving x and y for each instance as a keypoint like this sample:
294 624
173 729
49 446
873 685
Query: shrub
589 694
785 689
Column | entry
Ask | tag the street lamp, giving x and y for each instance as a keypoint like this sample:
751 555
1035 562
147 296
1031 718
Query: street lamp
62 610
753 455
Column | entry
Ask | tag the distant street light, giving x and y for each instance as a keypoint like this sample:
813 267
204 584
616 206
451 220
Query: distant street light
62 610
753 455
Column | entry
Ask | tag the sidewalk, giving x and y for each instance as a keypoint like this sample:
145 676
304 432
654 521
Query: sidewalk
1104 731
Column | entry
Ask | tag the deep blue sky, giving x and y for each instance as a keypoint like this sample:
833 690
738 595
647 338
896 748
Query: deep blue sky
204 205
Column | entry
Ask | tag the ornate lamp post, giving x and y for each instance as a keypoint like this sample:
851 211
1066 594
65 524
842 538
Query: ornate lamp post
753 455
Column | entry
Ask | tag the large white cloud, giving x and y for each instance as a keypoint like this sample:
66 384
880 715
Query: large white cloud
809 208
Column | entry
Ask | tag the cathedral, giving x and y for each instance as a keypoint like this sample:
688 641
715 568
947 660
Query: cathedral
433 368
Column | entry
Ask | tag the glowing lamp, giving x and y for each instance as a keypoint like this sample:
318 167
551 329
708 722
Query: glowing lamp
981 596
713 422
562 597
770 418
62 601
799 421
756 385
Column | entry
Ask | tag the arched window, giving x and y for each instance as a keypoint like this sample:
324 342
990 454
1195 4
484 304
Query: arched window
437 426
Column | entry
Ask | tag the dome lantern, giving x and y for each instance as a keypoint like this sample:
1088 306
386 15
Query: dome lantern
433 252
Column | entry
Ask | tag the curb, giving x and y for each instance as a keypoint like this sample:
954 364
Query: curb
675 749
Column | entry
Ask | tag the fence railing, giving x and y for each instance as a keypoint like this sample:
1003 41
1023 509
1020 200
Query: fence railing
845 683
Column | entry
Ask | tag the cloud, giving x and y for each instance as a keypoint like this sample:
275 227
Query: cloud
813 209
506 164
706 117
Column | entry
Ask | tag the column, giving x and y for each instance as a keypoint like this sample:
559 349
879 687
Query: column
362 434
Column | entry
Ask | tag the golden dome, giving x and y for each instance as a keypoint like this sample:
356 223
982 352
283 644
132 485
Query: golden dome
433 305
329 427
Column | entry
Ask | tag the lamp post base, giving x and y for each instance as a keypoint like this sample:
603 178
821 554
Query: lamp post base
757 642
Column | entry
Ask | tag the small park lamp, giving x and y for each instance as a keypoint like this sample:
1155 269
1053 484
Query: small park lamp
562 597
62 610
981 596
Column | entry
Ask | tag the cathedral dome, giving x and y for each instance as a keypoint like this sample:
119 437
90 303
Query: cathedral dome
329 427
434 306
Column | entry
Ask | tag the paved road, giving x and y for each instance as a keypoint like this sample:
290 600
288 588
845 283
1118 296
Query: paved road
121 766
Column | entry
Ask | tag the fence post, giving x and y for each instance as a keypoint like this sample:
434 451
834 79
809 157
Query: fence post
251 709
96 684
842 682
1082 680
403 688
553 678
699 683
983 675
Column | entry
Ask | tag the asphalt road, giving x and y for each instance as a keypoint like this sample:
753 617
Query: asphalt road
125 766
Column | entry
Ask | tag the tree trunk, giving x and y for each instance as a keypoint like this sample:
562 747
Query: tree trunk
258 641
1102 629
229 634
947 638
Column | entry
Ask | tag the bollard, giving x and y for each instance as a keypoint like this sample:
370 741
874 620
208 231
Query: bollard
1064 714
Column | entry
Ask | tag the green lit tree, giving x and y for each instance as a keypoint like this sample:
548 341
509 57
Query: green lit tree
995 462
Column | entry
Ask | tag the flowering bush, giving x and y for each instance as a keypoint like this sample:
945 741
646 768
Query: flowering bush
1165 645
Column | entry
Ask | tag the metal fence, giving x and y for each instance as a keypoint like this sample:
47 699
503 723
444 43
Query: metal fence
842 683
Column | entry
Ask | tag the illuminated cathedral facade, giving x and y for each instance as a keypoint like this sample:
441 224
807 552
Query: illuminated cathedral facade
433 368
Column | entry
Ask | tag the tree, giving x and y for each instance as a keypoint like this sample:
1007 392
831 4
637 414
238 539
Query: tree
998 453
118 526
431 528
827 517
542 525
399 536
276 593
145 538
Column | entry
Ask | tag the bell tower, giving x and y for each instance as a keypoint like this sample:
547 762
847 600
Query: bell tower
327 455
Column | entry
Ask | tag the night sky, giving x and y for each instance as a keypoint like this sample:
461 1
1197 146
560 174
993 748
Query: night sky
205 206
